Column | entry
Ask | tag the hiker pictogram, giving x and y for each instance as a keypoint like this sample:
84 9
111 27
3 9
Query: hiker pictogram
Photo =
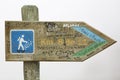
22 41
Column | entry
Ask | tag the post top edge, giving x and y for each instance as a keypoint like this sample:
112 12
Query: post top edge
24 6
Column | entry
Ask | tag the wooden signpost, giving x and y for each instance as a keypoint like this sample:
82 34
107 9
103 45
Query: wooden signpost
30 40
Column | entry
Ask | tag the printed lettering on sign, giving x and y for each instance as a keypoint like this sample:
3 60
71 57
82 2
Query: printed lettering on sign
22 41
53 41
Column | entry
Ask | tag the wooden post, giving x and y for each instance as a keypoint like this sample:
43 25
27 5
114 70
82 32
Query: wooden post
31 68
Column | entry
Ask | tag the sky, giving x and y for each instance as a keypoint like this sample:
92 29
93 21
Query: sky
103 15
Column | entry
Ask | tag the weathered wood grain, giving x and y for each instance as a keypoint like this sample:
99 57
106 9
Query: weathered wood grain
55 41
31 69
60 41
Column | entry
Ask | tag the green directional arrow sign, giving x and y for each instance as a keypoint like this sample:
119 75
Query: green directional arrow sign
98 41
53 41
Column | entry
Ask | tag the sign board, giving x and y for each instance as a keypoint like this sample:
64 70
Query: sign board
53 41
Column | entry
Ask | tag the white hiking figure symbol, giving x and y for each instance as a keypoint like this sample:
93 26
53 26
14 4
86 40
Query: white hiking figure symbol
21 41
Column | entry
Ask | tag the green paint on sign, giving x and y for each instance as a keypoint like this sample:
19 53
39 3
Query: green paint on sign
99 41
89 49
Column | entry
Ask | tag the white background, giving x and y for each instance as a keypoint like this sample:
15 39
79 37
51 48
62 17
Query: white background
103 15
